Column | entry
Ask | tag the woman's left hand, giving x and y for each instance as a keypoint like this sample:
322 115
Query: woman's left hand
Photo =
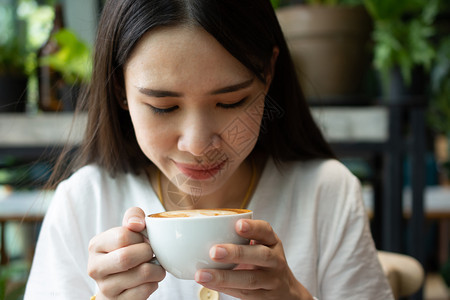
262 271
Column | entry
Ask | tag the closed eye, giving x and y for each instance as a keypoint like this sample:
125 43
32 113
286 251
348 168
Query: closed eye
232 105
162 111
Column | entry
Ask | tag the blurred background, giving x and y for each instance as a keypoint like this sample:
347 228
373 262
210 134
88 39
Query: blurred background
375 72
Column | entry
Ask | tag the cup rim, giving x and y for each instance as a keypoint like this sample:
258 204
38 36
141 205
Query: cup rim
244 212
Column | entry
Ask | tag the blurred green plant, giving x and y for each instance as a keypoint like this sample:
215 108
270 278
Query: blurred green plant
13 280
22 174
13 47
12 56
73 59
402 36
275 3
23 28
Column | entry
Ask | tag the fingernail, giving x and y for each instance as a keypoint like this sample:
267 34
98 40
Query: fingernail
202 276
135 220
243 226
218 252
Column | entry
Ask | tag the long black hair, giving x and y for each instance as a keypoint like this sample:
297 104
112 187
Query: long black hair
247 29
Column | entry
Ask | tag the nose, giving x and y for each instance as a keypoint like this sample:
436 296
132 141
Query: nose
198 136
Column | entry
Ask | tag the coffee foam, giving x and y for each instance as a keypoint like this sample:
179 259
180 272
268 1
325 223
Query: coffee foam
199 213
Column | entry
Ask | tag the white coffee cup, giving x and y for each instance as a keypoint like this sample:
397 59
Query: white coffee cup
181 240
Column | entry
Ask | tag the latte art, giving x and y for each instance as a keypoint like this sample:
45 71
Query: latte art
199 213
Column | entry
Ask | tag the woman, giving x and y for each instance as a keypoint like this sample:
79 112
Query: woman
195 104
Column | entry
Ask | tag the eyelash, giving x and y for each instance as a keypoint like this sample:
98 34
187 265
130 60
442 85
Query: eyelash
162 111
232 105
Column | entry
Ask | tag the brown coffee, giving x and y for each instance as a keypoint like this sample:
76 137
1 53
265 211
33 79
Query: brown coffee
199 213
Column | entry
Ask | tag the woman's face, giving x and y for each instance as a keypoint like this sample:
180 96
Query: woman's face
196 110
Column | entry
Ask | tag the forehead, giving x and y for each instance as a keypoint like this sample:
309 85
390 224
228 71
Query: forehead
185 57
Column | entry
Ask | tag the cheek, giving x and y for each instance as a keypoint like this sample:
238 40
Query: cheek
152 136
241 133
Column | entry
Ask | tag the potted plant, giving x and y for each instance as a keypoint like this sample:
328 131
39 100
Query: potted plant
73 62
21 34
403 48
328 40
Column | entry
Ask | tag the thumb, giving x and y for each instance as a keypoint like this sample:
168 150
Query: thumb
134 219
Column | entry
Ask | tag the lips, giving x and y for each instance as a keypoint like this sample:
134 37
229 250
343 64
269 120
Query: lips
200 172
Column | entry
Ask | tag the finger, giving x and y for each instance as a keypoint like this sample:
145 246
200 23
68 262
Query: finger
114 239
257 230
134 219
236 279
140 292
119 260
244 293
257 255
144 273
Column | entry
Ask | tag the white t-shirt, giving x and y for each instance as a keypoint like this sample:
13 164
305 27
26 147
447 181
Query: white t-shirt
314 207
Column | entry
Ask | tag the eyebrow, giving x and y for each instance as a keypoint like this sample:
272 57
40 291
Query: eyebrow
233 88
223 90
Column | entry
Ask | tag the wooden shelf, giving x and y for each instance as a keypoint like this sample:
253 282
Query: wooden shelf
40 130
436 201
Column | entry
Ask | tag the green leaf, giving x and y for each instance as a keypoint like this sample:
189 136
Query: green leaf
275 3
2 289
7 274
419 44
73 60
403 35
406 66
386 9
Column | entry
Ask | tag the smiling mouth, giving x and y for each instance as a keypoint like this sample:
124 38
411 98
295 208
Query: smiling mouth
200 172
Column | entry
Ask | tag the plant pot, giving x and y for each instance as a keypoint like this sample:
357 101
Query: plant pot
329 46
13 93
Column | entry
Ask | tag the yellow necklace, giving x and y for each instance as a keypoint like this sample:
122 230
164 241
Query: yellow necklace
246 197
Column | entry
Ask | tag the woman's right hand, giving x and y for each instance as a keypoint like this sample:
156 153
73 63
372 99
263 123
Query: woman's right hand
119 260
